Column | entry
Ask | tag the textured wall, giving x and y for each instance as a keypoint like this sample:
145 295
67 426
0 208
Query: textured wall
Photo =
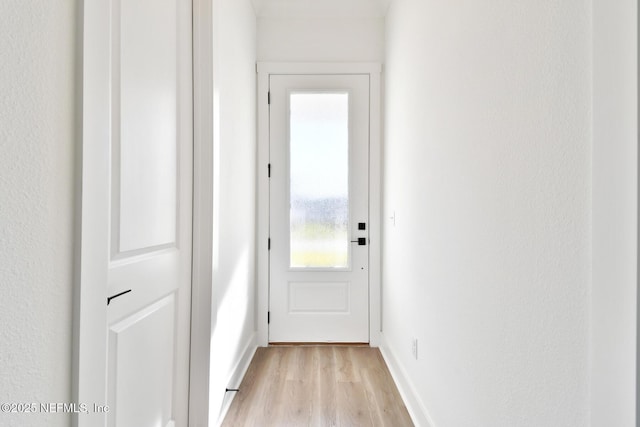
487 168
37 133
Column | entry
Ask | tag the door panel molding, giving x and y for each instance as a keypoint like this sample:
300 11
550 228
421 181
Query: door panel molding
265 70
125 337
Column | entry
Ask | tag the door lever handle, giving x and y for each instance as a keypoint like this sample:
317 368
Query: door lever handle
116 296
362 241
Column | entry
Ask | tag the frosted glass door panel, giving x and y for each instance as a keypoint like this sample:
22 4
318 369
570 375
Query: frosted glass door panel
319 180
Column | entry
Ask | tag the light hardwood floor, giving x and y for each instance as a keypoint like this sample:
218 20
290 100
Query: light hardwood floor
317 386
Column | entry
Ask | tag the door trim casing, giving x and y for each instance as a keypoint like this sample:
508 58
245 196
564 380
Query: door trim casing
202 304
373 70
90 292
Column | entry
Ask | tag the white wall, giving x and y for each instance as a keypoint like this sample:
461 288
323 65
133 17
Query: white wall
488 169
615 213
233 327
37 142
320 37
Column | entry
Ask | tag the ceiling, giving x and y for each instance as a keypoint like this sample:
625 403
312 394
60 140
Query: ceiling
321 8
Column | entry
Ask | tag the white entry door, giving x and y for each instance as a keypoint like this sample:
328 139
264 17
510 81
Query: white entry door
319 157
138 112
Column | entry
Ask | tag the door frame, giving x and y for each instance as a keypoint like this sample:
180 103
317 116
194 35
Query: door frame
90 283
373 70
202 304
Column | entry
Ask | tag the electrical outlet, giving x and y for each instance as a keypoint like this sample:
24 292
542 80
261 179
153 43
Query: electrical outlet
414 348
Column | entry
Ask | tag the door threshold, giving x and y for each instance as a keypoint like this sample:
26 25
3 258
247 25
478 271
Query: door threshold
318 344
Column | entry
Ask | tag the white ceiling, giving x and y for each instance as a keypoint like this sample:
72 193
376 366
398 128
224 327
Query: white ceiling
321 8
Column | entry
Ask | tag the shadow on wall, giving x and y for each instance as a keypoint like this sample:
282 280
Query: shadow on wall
232 327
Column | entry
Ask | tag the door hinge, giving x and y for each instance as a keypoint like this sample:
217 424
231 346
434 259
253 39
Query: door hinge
269 170
269 244
269 98
268 317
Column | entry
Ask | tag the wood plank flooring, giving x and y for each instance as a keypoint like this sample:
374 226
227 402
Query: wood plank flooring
317 386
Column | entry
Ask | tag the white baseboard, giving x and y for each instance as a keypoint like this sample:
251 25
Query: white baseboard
237 374
417 411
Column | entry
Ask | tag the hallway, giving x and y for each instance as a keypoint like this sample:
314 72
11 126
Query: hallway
317 386
508 206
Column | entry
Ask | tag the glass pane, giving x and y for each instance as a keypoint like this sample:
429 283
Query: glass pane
319 180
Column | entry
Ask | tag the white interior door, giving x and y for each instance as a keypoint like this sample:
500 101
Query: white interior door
319 157
138 111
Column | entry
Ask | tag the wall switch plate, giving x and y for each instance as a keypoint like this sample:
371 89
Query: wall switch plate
414 348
